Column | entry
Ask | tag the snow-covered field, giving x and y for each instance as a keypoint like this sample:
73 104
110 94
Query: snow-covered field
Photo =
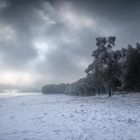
62 117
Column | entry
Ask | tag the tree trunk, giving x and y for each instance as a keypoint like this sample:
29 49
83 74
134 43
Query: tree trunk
110 93
93 92
99 91
85 92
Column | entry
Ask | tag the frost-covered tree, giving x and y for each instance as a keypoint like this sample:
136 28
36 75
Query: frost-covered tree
105 65
96 67
132 68
83 87
110 69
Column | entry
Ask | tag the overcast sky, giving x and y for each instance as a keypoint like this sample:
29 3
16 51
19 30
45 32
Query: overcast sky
51 41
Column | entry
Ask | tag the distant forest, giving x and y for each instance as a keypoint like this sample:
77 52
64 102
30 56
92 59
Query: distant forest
111 70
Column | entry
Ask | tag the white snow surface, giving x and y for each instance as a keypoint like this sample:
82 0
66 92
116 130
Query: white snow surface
63 117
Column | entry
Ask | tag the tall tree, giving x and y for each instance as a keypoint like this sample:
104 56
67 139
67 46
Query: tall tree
132 69
105 65
96 67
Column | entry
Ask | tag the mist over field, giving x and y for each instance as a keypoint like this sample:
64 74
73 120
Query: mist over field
54 39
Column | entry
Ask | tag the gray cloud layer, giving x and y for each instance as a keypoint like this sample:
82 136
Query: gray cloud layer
51 41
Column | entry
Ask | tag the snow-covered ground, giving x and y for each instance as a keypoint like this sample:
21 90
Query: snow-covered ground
62 117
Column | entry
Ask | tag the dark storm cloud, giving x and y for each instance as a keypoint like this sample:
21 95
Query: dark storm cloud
118 10
121 14
19 18
55 38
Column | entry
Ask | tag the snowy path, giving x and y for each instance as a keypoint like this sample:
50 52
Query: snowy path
61 117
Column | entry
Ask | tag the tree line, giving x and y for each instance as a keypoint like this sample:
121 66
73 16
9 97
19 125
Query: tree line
53 89
110 70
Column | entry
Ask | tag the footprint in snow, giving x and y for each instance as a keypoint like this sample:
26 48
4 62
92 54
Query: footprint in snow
71 115
25 139
23 104
130 121
12 117
56 131
39 118
93 118
45 113
25 131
